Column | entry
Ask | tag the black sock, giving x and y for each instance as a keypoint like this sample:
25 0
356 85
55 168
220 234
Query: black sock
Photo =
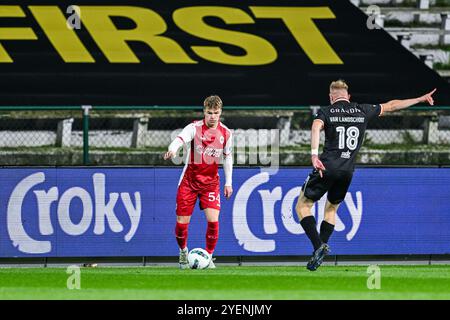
309 225
326 229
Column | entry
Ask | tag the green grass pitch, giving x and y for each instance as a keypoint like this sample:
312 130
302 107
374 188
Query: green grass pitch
227 283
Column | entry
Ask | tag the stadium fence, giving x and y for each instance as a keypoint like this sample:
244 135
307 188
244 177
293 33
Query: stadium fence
138 135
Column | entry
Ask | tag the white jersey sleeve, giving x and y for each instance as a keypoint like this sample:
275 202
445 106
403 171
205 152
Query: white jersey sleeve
184 137
228 161
188 133
228 170
228 149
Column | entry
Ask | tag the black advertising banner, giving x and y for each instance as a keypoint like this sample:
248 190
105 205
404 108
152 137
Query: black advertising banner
165 52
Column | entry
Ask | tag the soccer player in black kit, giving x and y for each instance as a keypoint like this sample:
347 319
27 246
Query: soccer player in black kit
344 123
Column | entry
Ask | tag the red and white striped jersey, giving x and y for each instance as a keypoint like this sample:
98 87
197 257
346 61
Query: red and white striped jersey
205 149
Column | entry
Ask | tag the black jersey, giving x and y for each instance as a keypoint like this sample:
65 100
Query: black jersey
345 124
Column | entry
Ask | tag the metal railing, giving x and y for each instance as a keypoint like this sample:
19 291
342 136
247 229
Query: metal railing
138 135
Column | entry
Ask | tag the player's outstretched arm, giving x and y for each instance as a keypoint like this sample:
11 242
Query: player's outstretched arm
173 148
184 137
395 105
169 155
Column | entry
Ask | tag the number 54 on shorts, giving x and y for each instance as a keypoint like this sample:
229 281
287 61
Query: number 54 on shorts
214 197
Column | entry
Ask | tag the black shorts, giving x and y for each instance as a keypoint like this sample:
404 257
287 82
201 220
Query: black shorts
335 182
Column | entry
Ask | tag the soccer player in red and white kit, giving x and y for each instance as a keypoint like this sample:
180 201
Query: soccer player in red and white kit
207 141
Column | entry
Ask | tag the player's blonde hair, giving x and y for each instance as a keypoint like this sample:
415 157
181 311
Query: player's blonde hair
213 102
338 85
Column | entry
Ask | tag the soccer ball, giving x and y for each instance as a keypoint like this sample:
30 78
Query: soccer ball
198 258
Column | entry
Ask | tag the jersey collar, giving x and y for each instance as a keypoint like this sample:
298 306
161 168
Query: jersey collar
341 99
218 125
